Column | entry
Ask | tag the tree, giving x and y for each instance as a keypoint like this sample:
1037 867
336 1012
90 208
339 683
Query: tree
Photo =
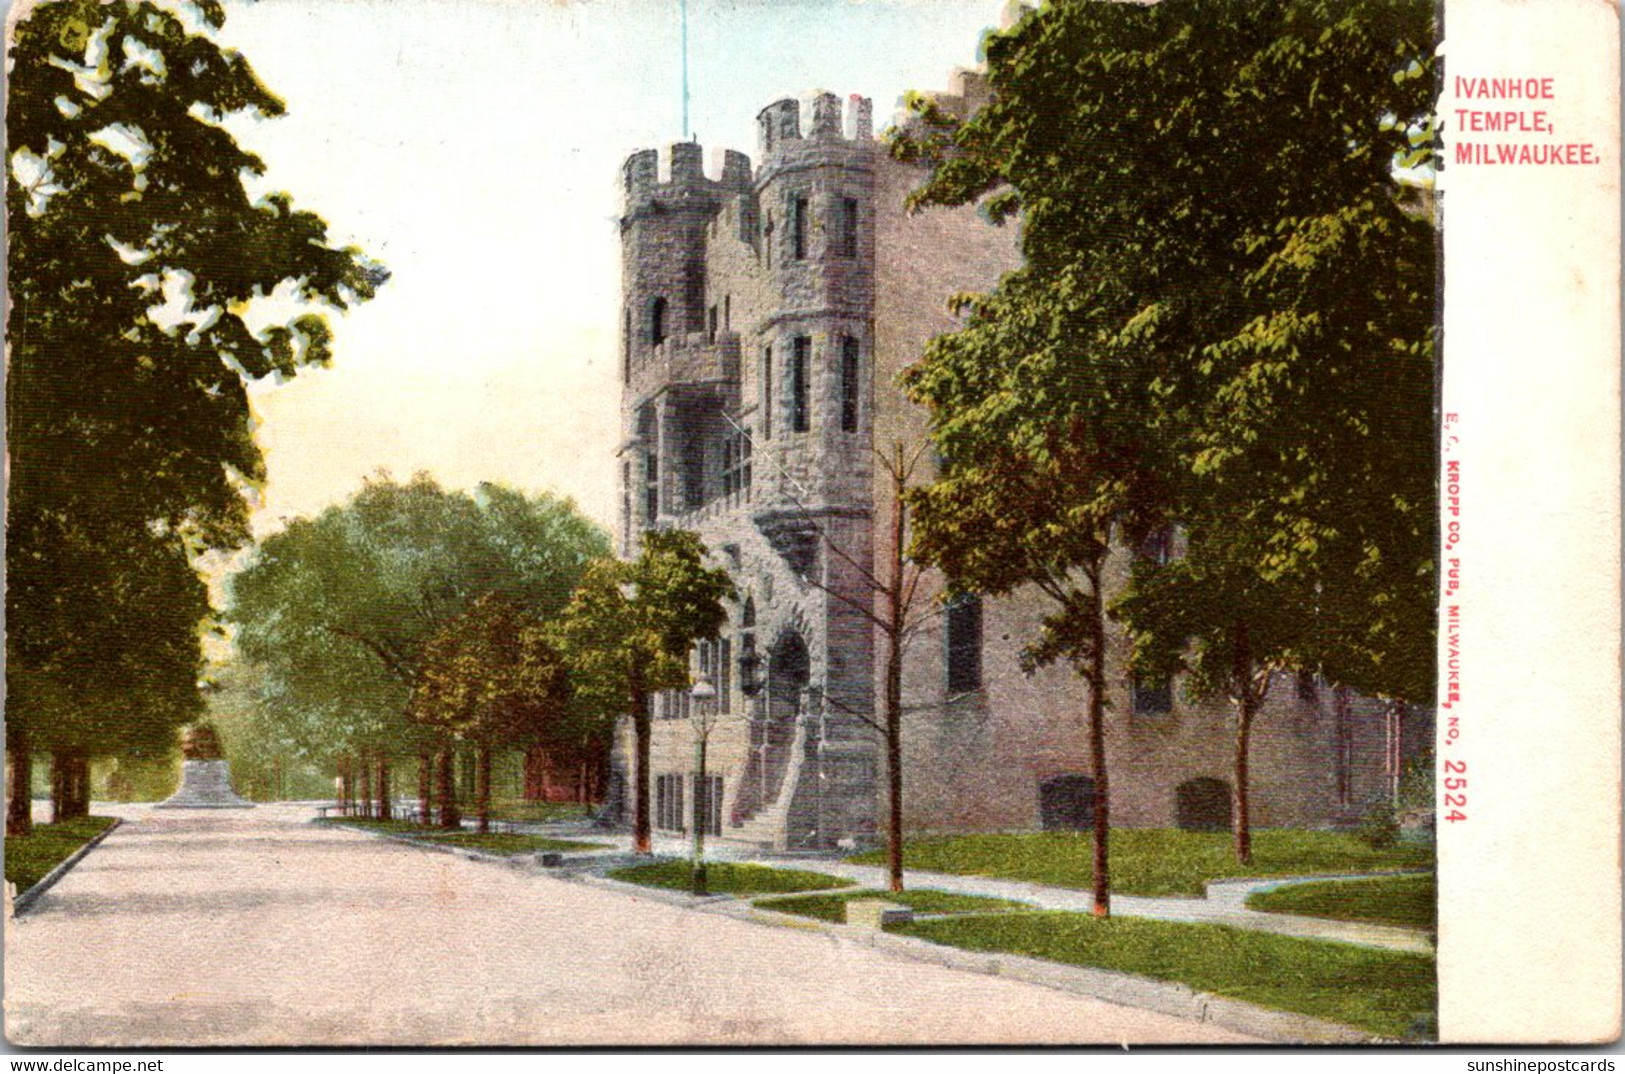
340 608
136 259
492 676
1031 488
627 633
1223 237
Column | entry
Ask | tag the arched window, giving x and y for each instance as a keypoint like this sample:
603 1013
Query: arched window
657 321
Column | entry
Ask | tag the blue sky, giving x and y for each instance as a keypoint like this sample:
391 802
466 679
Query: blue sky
474 147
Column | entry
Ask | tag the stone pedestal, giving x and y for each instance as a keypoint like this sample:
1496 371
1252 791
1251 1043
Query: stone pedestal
205 785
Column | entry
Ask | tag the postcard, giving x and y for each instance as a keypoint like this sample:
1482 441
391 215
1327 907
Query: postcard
711 522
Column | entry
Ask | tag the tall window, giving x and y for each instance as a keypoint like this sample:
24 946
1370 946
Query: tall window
651 487
669 803
711 326
767 239
849 227
849 384
626 349
964 655
709 797
767 392
798 227
736 462
657 321
800 361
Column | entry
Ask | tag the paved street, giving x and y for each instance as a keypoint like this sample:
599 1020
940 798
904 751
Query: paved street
254 927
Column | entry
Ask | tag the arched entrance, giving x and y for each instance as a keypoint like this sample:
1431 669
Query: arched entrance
773 732
1067 804
789 670
1203 805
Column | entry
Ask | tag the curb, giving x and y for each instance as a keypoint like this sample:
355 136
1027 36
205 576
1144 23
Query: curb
521 860
27 899
1129 990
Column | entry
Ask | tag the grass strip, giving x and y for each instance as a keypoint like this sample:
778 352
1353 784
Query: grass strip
728 878
1388 993
538 812
29 857
505 842
1152 861
832 907
1409 902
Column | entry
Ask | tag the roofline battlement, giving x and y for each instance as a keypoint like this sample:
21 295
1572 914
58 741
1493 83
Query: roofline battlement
679 170
823 116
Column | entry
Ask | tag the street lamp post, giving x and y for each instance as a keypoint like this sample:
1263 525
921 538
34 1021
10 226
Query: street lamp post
703 693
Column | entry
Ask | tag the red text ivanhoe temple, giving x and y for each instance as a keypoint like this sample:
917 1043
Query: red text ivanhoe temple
1506 120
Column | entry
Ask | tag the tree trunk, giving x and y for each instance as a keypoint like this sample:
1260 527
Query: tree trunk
385 812
445 765
20 789
425 789
81 785
1241 672
345 790
641 842
482 788
892 718
366 786
59 787
1097 739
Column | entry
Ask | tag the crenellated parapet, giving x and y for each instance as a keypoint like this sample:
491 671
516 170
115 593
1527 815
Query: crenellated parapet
686 181
833 132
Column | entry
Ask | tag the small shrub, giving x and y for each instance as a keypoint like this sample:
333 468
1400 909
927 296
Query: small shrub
1379 828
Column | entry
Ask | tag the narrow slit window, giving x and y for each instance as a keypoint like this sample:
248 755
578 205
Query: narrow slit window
657 322
964 656
850 369
849 227
798 227
800 360
767 393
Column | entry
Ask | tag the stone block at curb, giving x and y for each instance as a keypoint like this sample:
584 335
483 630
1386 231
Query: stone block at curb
22 902
877 913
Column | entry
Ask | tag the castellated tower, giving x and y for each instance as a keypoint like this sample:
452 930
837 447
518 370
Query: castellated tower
767 312
747 371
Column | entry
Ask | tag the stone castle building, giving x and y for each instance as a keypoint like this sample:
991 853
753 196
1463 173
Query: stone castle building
767 313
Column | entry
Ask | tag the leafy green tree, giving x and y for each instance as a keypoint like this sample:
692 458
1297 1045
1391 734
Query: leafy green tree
1031 488
492 676
627 633
339 609
136 256
1225 248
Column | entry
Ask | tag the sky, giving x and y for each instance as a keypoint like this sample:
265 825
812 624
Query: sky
474 148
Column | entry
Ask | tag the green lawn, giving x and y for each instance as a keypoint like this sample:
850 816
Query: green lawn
1407 901
30 857
725 878
505 842
832 907
1151 861
1388 993
538 812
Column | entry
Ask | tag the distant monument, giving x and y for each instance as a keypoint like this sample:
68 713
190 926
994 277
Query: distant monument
205 774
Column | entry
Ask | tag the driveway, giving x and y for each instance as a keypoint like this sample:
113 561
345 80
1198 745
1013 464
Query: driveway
254 927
